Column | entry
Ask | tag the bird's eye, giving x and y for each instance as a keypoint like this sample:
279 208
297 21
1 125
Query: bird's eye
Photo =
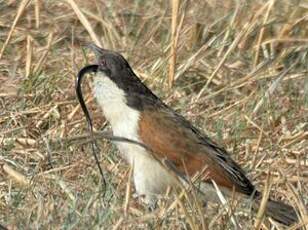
103 62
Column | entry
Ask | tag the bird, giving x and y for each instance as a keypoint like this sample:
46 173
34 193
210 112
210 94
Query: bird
136 113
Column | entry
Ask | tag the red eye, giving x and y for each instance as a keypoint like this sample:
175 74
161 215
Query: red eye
103 62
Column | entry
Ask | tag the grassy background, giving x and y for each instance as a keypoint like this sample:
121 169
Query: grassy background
241 75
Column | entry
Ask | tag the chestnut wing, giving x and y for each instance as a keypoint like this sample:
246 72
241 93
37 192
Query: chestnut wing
172 137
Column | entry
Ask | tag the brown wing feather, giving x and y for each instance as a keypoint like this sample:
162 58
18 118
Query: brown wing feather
171 136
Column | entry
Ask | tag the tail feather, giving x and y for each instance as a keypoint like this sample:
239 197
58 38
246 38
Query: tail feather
277 210
281 212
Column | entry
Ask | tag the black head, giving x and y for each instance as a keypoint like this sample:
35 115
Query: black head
115 66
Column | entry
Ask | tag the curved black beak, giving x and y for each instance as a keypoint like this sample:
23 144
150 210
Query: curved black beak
96 50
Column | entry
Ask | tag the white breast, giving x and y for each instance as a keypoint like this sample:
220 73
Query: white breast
123 119
149 176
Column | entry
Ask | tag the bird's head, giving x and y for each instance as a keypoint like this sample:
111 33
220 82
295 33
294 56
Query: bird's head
118 78
111 63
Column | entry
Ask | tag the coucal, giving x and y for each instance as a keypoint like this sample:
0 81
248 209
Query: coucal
136 113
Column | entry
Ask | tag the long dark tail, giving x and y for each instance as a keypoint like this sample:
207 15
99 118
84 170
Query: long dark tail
281 212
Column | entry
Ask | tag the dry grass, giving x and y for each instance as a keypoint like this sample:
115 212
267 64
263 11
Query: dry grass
230 79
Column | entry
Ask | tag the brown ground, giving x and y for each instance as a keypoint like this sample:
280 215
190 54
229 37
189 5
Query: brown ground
241 75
